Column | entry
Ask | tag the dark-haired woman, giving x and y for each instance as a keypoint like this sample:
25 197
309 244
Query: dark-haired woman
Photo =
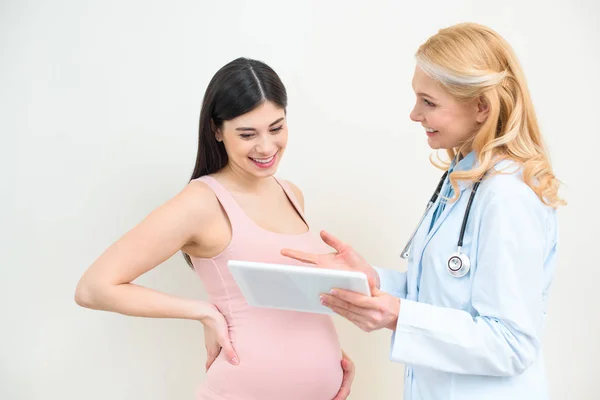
233 208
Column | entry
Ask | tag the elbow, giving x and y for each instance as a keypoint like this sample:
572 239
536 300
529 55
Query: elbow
85 295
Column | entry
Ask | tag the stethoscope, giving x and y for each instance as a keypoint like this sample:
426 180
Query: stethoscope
458 264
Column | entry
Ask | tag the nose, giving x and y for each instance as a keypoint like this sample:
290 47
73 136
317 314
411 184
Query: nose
265 145
415 115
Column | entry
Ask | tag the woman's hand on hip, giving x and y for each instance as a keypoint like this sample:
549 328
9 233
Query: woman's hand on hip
344 258
216 338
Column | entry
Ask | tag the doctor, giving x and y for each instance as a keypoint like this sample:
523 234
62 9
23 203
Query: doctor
467 317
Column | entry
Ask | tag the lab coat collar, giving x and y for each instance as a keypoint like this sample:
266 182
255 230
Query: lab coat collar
463 164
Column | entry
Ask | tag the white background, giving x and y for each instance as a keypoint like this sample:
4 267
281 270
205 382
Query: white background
99 105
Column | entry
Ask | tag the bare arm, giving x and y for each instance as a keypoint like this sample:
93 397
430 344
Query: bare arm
107 284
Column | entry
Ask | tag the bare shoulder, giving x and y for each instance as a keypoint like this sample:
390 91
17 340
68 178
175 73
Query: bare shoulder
194 205
297 193
198 200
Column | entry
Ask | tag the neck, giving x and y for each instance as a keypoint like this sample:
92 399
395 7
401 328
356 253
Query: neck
466 149
244 181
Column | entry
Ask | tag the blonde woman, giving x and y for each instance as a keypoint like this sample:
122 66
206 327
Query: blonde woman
467 317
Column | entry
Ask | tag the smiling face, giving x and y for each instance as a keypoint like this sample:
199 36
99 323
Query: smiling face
255 141
448 122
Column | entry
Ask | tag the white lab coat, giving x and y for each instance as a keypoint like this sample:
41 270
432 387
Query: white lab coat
477 337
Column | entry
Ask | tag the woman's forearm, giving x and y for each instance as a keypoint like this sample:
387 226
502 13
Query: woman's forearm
134 300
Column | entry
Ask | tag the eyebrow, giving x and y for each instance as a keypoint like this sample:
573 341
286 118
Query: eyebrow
426 95
253 129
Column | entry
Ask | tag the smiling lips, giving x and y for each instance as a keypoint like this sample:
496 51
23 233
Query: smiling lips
264 162
430 132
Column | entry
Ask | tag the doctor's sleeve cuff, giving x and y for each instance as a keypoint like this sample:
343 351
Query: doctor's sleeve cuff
406 337
392 282
425 333
453 341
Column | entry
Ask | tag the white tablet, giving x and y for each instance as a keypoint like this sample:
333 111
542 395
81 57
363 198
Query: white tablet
291 287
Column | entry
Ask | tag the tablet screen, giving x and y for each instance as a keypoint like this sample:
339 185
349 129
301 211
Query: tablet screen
292 287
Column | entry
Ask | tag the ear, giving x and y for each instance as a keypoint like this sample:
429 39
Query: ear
483 109
216 131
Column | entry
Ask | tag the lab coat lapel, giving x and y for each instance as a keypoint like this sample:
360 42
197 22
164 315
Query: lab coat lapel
415 255
447 210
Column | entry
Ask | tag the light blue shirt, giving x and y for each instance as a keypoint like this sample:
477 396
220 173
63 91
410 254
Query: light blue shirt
477 337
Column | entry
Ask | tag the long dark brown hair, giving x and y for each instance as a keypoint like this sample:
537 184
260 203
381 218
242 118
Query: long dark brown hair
237 88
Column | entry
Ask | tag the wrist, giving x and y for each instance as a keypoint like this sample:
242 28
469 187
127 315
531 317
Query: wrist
205 311
396 313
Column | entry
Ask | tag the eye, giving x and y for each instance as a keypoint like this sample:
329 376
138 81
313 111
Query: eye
247 135
275 130
428 103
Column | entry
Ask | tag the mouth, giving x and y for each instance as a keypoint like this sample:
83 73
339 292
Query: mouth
430 132
266 162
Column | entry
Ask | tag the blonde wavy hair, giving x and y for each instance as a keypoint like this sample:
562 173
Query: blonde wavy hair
472 61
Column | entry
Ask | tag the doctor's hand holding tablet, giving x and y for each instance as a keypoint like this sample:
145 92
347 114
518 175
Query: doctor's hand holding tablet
342 283
368 312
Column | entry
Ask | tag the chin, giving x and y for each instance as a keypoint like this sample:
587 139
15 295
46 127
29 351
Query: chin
266 173
434 144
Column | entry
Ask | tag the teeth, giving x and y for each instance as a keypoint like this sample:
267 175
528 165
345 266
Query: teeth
430 130
263 160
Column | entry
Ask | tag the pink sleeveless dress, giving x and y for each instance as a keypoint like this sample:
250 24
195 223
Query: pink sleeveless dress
284 355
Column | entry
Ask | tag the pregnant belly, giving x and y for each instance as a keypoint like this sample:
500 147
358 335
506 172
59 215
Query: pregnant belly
283 355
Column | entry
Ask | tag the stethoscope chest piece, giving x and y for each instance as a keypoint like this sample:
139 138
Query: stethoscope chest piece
459 264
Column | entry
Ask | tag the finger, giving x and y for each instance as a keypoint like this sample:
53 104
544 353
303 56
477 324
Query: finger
343 393
231 355
346 381
354 298
373 286
348 366
300 255
210 360
330 301
332 241
228 350
213 349
356 319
